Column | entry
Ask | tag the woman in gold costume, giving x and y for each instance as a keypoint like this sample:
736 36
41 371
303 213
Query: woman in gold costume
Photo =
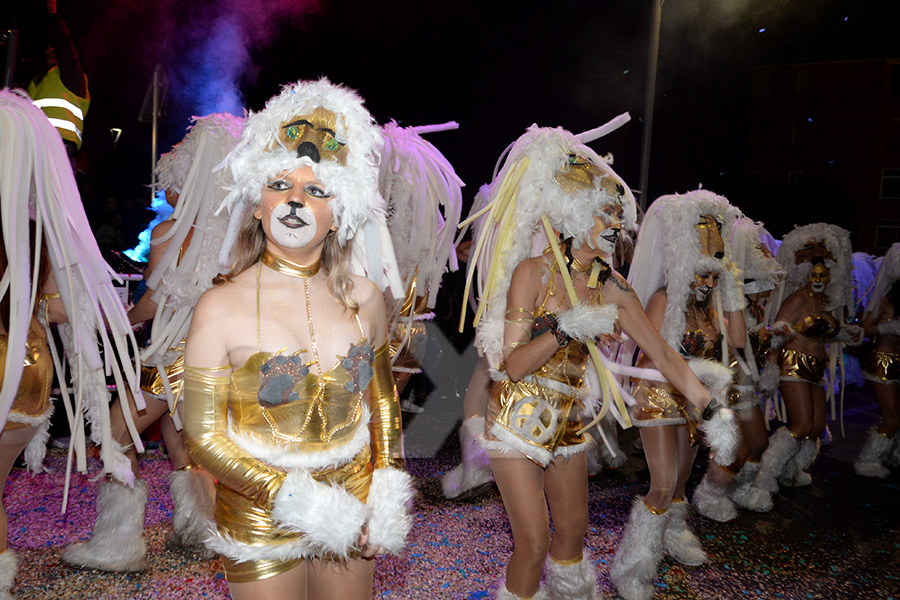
52 271
882 322
681 272
289 397
538 325
817 260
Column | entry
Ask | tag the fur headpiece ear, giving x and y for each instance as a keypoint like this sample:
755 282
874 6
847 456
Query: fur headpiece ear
324 126
829 243
668 253
753 258
888 274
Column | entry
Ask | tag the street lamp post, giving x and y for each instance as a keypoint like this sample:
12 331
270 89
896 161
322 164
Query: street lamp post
649 97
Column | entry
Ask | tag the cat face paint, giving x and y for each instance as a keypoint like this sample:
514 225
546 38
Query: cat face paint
294 210
703 285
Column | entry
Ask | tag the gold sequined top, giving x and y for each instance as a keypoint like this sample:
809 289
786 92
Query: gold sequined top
33 396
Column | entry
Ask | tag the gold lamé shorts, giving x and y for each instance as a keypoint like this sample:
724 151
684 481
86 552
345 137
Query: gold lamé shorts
152 383
245 521
883 367
537 415
797 365
32 398
658 403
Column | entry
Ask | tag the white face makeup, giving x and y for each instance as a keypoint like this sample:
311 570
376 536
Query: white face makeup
607 227
294 209
703 285
818 279
292 225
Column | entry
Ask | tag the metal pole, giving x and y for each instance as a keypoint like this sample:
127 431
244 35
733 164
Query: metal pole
153 127
649 97
9 66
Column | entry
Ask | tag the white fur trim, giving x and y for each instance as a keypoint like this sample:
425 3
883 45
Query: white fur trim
777 341
193 495
846 334
769 379
782 448
586 322
117 542
507 441
475 468
722 435
713 375
891 327
37 446
286 457
871 459
330 518
638 554
712 501
679 541
9 565
504 594
390 500
575 582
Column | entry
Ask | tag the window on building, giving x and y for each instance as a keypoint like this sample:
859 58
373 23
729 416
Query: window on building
887 233
890 183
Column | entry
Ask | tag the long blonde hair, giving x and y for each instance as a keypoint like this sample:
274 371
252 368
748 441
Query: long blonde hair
251 245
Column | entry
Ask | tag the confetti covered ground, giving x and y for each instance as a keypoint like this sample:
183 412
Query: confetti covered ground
836 540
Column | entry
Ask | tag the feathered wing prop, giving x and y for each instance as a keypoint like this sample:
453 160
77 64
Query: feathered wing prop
35 175
181 278
424 202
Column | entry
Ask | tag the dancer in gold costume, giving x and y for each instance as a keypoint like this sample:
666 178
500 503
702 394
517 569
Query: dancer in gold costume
817 260
289 396
882 322
682 273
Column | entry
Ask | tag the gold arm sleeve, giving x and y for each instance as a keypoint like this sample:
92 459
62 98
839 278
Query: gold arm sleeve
205 425
386 426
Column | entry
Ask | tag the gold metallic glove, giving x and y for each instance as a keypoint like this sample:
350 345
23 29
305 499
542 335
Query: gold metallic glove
205 427
386 426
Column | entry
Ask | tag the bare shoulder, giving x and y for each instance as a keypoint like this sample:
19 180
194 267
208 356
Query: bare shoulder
365 291
221 300
162 229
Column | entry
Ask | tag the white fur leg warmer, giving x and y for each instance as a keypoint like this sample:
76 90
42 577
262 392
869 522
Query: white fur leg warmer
571 581
389 503
117 542
870 461
712 501
9 565
193 493
678 540
723 436
747 496
505 594
640 550
587 321
475 468
330 518
794 474
782 448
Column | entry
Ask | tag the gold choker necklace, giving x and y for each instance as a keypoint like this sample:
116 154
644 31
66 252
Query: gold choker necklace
580 267
283 265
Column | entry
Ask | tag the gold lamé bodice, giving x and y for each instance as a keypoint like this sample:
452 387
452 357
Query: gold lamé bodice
280 396
567 365
33 395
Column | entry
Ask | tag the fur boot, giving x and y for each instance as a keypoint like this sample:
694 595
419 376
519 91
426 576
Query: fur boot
117 542
747 496
795 472
505 594
782 448
712 501
576 581
892 458
9 565
193 502
870 462
640 550
473 474
678 540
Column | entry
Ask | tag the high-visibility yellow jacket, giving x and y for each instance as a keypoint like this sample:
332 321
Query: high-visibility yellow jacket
63 107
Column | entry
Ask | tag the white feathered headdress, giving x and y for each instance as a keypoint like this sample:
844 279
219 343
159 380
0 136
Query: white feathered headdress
36 177
832 244
761 272
273 142
887 276
668 255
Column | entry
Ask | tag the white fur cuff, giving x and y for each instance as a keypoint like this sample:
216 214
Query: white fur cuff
777 340
390 498
586 322
722 435
330 518
714 376
769 379
889 327
852 335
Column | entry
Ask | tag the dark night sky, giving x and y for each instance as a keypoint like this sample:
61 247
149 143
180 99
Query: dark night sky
496 67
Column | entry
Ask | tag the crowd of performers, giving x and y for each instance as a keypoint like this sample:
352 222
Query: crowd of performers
288 294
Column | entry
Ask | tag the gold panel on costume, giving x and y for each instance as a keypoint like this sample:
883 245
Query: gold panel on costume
798 365
884 366
33 396
152 383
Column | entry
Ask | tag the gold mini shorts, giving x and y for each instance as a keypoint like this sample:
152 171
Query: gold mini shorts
884 366
800 366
